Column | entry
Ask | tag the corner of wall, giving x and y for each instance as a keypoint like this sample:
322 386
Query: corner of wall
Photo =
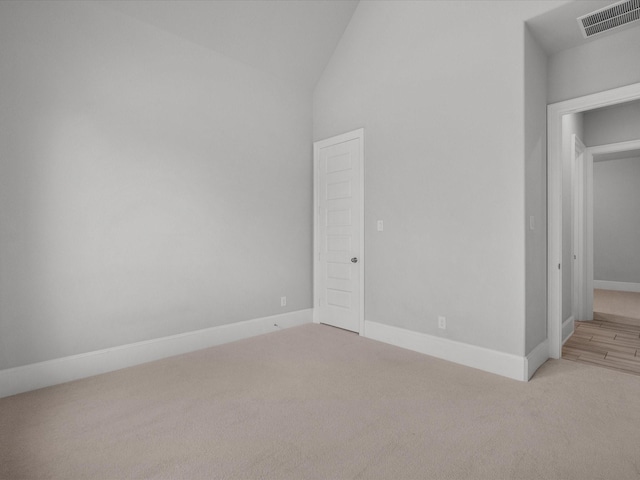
53 372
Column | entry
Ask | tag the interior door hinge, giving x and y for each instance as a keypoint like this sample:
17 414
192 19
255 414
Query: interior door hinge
558 266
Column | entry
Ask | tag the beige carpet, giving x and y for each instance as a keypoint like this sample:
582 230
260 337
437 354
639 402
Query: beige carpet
317 402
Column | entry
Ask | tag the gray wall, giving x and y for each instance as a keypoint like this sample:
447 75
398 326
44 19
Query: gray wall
535 79
610 62
620 123
148 186
616 220
443 112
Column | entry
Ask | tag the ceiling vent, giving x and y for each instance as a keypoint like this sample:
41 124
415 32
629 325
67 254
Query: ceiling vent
608 18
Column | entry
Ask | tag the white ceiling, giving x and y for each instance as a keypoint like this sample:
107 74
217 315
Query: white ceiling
294 39
558 29
290 39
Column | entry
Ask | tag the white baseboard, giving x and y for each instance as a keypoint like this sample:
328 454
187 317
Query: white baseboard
568 326
619 286
500 363
52 372
537 357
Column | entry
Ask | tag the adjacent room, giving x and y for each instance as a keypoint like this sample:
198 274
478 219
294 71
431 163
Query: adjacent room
311 239
607 328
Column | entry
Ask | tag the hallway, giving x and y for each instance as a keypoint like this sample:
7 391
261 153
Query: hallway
612 339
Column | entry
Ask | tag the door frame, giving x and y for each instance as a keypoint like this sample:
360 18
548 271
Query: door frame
591 152
582 178
345 137
555 113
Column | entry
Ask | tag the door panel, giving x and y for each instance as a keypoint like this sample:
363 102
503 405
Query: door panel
339 236
581 308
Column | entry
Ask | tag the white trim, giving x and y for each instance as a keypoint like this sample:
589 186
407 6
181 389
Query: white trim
555 113
345 137
589 236
52 372
615 147
493 361
360 133
619 286
568 327
537 357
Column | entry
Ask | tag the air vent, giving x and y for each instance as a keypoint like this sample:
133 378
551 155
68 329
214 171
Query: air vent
608 18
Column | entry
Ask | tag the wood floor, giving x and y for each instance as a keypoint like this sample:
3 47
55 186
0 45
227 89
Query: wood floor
611 340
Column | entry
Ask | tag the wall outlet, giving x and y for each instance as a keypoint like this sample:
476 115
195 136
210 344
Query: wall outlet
442 323
283 301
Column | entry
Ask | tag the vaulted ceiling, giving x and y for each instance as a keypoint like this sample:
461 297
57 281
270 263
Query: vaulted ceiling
292 40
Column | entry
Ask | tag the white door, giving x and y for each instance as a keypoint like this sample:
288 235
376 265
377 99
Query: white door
582 230
578 230
339 235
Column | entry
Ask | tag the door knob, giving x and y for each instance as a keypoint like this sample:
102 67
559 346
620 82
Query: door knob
354 260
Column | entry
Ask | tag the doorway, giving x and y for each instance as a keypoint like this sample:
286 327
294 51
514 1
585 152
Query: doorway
555 113
338 287
609 336
616 221
617 166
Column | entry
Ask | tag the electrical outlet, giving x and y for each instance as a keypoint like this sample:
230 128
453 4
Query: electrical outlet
283 301
442 323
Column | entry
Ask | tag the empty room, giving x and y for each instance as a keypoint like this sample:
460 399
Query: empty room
332 239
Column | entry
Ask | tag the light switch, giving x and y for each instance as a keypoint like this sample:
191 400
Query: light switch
380 226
